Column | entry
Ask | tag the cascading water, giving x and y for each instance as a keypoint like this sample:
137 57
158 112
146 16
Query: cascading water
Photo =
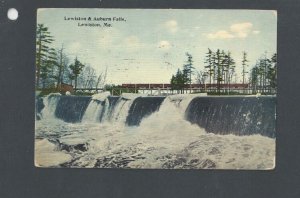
50 103
96 107
39 105
71 108
170 114
112 101
121 108
176 131
142 107
234 115
93 111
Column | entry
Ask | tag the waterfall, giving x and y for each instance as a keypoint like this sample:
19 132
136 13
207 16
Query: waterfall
121 109
106 108
169 119
93 111
238 115
177 131
142 107
50 103
39 105
72 108
109 108
234 115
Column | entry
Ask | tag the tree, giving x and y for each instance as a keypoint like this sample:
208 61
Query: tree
263 74
45 56
101 81
230 69
178 81
65 71
76 69
220 67
209 64
272 74
60 66
47 73
188 70
87 78
218 61
244 64
201 77
254 77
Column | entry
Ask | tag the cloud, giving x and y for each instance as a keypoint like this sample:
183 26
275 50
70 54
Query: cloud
241 30
164 45
222 34
255 31
172 26
237 30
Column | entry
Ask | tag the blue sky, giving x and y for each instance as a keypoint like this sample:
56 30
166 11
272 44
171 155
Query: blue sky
151 45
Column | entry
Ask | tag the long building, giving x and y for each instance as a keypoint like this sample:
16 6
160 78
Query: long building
193 86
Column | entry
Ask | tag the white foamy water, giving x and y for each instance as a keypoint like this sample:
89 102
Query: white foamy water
120 113
47 154
163 140
50 102
93 111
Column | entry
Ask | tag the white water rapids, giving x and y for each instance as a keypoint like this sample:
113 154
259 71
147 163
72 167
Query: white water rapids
162 140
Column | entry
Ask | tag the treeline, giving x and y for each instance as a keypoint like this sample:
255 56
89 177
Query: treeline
263 76
220 70
54 67
183 77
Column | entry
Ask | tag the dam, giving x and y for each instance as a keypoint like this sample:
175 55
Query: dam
129 130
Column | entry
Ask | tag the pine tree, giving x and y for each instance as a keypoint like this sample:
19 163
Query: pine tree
76 69
255 78
223 67
188 70
209 65
218 61
230 69
47 73
60 66
244 65
272 74
45 55
178 81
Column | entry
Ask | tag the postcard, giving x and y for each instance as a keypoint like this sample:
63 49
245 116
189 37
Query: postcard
156 88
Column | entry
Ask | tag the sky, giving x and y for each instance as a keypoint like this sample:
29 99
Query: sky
150 45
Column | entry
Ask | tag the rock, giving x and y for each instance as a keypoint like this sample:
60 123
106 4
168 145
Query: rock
214 151
207 163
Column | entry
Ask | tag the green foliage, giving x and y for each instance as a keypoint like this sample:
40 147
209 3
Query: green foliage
178 81
209 64
188 69
53 69
76 69
263 76
272 72
45 55
244 65
47 91
183 77
219 67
